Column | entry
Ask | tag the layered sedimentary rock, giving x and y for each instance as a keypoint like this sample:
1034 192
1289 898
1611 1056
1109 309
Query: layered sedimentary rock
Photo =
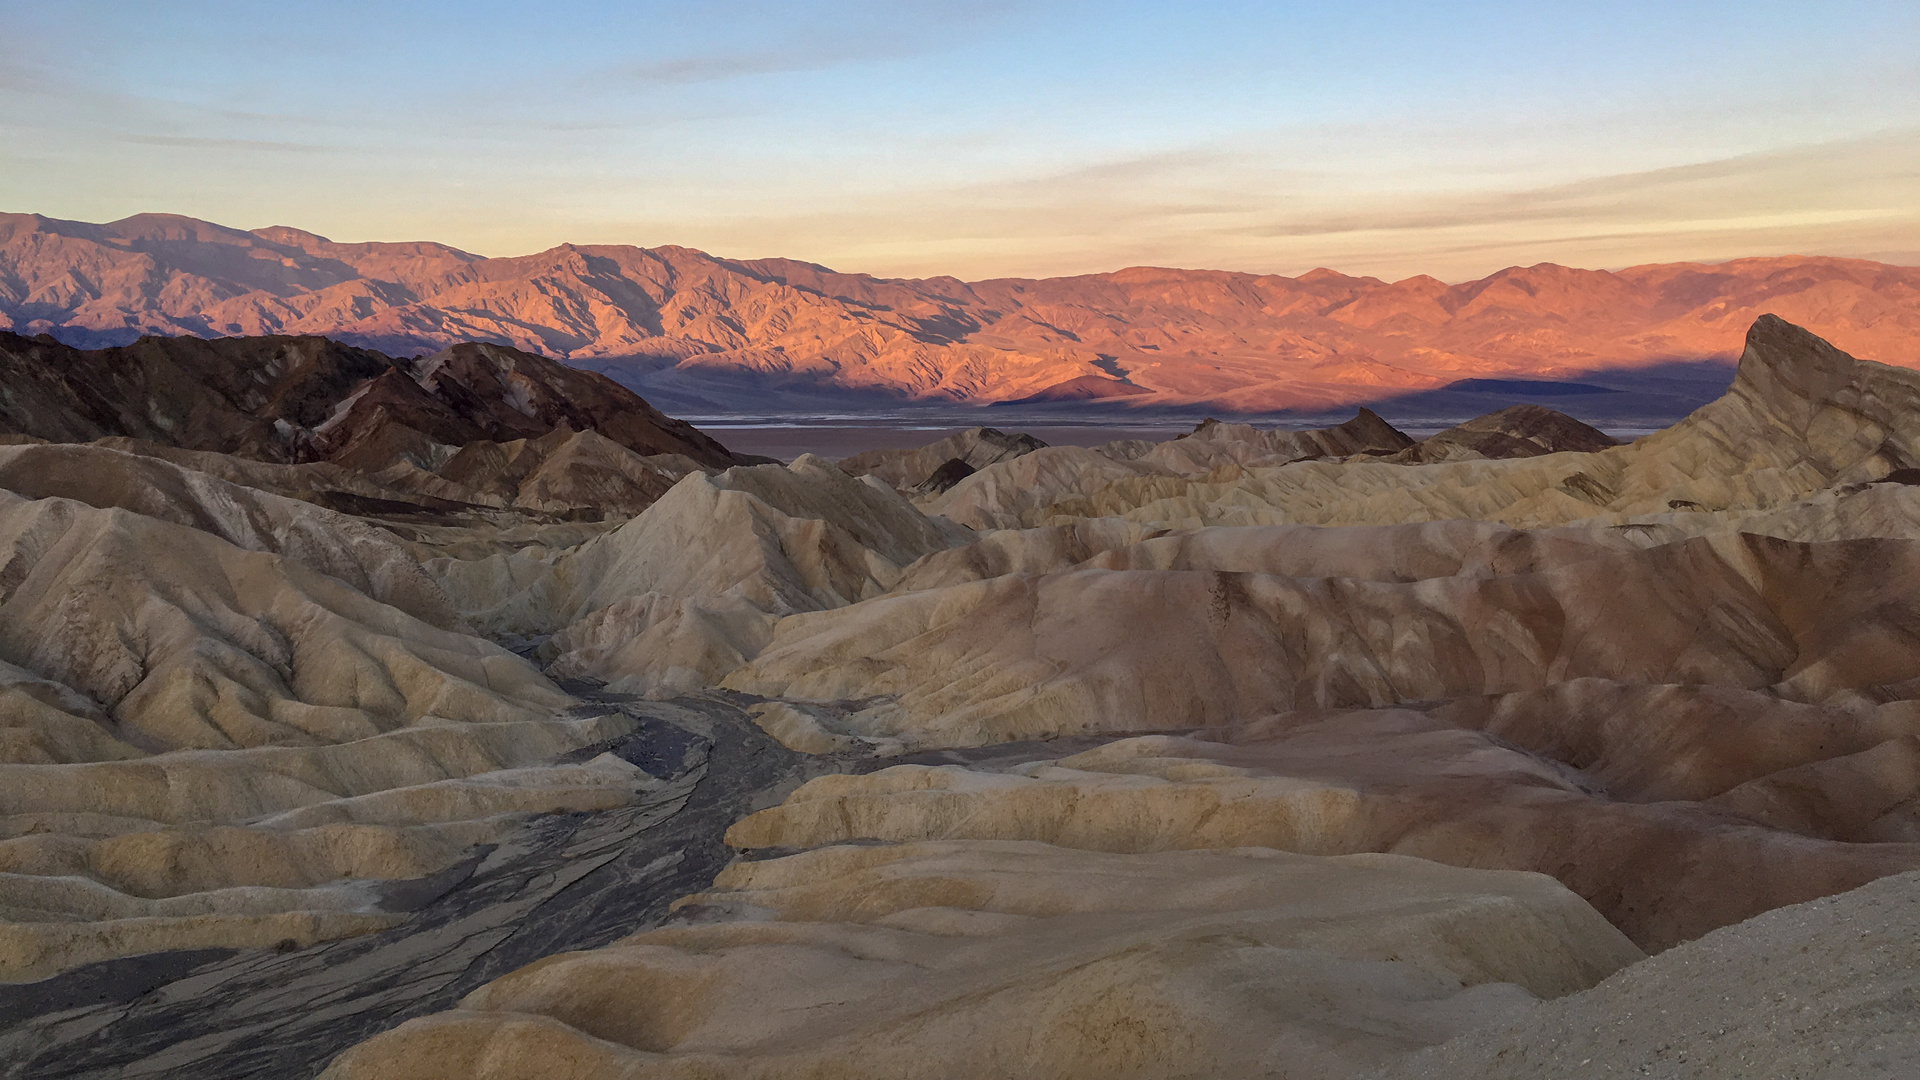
1678 677
1253 751
1214 444
247 516
999 493
1801 418
690 589
240 705
214 730
1516 431
974 449
952 959
243 396
1037 656
470 426
1663 870
474 391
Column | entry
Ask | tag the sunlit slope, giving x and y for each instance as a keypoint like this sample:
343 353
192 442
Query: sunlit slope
742 333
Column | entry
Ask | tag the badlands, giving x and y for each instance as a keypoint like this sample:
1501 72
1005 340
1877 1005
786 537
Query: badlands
464 717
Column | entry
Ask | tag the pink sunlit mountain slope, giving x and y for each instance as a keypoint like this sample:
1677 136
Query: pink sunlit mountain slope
688 327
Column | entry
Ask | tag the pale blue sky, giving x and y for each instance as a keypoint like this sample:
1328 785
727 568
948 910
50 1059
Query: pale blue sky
990 138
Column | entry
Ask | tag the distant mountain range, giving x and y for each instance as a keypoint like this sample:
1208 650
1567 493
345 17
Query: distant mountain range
699 333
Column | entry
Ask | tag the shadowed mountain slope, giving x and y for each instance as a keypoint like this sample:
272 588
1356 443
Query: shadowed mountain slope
468 427
309 398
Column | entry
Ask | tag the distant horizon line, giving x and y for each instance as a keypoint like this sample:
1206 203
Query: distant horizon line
566 244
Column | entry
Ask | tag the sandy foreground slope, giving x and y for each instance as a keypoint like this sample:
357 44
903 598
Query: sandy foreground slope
1246 754
1824 988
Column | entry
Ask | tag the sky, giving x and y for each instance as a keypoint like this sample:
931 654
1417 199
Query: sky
991 138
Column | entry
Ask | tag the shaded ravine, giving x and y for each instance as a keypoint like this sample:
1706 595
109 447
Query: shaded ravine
562 881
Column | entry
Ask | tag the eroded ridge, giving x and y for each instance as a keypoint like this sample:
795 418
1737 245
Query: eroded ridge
1250 752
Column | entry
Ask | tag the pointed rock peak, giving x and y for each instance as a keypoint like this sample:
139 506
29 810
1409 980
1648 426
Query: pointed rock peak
1552 430
1372 428
806 462
1785 365
1015 442
1773 335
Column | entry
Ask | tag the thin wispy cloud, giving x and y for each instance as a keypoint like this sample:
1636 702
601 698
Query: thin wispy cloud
1863 178
998 138
687 70
22 78
1214 208
857 33
201 142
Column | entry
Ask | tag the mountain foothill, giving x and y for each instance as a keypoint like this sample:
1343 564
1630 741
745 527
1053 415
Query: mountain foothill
382 704
704 334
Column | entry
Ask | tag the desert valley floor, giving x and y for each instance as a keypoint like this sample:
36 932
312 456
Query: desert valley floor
465 718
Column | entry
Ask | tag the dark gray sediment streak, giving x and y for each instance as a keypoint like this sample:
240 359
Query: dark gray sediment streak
560 882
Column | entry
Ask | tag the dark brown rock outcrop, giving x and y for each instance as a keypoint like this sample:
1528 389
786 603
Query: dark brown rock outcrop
944 477
1515 432
976 448
291 399
256 397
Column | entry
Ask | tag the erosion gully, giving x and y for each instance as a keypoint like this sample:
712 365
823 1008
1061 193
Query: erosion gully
559 882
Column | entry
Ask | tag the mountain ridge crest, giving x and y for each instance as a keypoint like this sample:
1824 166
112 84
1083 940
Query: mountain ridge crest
694 327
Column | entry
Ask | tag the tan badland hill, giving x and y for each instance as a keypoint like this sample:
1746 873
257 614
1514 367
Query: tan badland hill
1250 753
694 327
